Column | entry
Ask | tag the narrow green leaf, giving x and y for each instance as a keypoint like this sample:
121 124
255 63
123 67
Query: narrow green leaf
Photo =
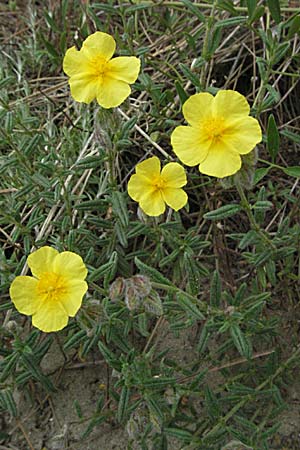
231 22
256 14
272 138
8 364
159 382
190 75
152 273
274 7
203 339
189 306
294 137
119 206
262 205
123 404
240 341
260 174
215 290
294 27
109 357
75 339
181 92
293 171
8 402
179 433
223 212
251 5
227 5
196 11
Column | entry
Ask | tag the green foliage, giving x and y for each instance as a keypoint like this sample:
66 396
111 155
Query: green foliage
188 312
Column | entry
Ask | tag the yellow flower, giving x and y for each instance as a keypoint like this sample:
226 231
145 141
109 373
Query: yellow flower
220 131
94 74
55 290
153 189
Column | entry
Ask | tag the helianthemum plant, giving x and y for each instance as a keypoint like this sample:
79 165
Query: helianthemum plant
95 74
153 188
55 290
219 131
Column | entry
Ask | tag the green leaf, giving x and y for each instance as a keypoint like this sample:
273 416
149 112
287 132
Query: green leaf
227 5
203 339
190 75
251 5
119 206
240 341
189 306
215 290
231 22
179 433
274 7
260 174
294 27
152 273
262 205
109 357
272 138
75 339
293 171
211 403
7 402
196 11
181 92
159 382
256 14
123 404
290 135
8 364
223 212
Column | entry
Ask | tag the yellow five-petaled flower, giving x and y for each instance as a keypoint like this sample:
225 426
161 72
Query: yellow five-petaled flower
153 188
95 74
220 130
55 290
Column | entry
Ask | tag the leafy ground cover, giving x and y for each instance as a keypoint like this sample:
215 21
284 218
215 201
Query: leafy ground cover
188 337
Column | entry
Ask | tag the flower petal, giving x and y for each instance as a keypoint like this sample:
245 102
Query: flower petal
51 316
42 260
152 203
150 168
230 104
173 174
242 134
70 265
74 62
124 68
189 146
84 87
197 107
112 92
23 293
99 45
137 187
221 161
73 299
176 198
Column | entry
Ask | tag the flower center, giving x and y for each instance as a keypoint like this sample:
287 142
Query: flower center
99 67
52 285
159 184
214 128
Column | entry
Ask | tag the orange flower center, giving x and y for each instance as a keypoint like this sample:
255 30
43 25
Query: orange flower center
214 128
52 286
